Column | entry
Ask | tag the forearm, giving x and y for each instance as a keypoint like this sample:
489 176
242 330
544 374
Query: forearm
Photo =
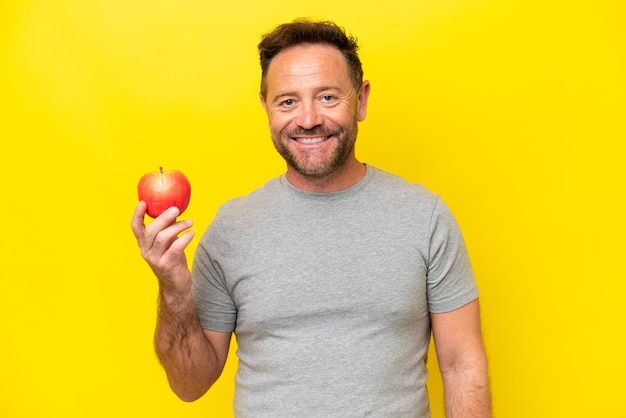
186 355
466 391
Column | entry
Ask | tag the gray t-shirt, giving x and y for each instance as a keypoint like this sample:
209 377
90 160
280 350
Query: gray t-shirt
329 295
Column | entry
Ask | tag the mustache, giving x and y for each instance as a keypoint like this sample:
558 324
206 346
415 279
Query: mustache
316 131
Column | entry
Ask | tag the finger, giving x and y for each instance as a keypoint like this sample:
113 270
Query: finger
179 245
176 251
165 219
164 238
137 222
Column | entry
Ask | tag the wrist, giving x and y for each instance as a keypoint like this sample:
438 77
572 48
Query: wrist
175 290
175 299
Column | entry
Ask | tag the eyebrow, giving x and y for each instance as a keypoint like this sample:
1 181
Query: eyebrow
289 93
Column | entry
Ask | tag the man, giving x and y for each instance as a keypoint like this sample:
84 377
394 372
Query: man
332 276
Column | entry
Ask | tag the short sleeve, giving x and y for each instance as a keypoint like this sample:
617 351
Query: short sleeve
450 279
212 298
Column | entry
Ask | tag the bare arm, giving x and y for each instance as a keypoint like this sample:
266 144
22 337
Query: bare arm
463 362
193 358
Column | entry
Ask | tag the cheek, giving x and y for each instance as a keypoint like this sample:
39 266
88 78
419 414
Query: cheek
344 116
278 122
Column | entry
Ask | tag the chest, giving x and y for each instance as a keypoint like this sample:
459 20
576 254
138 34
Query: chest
321 272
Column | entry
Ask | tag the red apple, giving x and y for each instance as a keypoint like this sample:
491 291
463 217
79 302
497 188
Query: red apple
164 189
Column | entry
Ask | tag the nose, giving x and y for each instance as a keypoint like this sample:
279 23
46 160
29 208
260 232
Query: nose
309 116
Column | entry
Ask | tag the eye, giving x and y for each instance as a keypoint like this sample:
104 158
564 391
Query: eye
287 103
328 98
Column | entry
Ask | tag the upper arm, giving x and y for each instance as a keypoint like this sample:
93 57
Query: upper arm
220 342
458 338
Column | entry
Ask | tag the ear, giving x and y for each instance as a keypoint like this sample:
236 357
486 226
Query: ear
362 97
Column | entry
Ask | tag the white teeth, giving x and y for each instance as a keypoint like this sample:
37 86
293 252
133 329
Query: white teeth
310 140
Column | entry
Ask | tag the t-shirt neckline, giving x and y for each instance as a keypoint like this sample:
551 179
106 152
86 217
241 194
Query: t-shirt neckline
328 195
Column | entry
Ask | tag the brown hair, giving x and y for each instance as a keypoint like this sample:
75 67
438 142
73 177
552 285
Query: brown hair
302 31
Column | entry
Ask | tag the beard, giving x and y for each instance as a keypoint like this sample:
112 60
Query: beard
314 163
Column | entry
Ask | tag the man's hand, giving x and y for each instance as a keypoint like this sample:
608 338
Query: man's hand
193 358
162 245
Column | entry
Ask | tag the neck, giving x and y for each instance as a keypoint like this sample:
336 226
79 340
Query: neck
347 176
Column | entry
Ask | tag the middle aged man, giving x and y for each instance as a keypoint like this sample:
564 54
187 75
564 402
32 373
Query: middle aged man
332 276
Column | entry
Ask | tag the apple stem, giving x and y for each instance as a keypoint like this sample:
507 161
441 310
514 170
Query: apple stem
161 170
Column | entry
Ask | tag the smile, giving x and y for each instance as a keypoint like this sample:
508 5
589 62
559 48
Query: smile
314 140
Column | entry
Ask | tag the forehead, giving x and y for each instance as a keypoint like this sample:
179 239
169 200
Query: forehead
306 64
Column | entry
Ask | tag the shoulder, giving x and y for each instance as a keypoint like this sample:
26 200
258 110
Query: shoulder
395 196
401 192
395 182
238 217
259 200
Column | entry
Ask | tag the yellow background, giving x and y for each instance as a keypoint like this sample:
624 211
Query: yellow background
512 110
